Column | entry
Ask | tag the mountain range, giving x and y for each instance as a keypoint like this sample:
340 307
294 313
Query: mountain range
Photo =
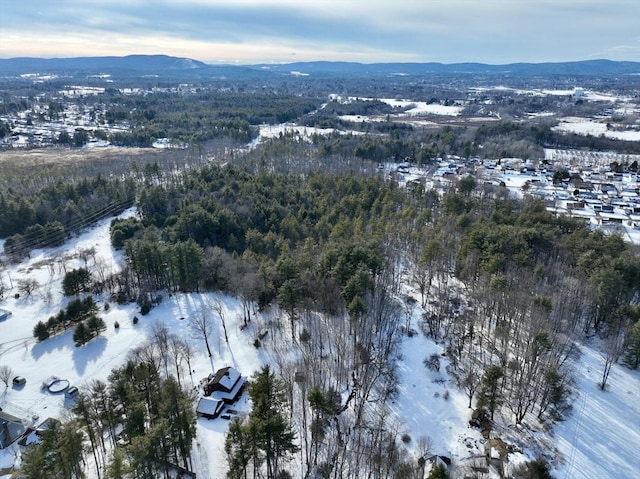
168 66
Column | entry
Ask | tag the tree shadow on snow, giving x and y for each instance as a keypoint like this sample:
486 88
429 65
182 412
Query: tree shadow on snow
91 351
58 342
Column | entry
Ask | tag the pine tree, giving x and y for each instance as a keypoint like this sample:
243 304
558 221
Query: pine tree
36 463
81 335
70 451
83 410
238 449
177 408
632 347
438 472
117 467
538 469
60 454
76 281
40 331
95 325
267 435
489 396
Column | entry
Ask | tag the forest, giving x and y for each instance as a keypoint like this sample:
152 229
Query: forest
506 286
344 256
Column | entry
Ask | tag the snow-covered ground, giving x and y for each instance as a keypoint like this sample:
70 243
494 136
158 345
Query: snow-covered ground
421 107
429 405
602 437
599 439
577 92
303 132
57 356
414 107
584 126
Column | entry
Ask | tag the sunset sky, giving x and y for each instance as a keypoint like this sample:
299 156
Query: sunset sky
256 31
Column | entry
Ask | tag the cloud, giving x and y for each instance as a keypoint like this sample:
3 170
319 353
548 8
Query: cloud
250 31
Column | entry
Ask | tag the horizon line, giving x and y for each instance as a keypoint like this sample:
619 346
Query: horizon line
236 63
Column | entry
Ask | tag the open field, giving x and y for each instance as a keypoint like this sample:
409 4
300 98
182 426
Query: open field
74 156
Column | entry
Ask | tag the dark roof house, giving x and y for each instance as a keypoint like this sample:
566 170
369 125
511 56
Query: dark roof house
11 428
225 387
227 383
209 408
33 433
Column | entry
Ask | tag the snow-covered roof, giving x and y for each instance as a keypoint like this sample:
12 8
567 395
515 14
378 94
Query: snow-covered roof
11 428
228 378
231 393
208 406
613 216
583 213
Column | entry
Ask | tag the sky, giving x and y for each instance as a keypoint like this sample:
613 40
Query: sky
284 31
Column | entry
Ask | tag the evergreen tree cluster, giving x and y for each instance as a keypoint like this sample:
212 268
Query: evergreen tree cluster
201 116
272 225
41 217
77 311
138 425
76 281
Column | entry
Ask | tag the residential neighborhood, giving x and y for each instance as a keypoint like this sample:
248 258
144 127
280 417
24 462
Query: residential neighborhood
591 186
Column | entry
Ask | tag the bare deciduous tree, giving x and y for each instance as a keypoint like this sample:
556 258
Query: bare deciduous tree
469 382
424 448
5 374
217 307
28 286
4 288
201 324
613 349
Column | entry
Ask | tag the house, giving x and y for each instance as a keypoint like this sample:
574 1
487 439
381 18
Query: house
33 434
11 428
209 407
225 387
226 384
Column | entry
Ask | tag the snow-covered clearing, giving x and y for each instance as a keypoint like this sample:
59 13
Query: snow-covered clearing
583 126
303 132
599 439
422 108
429 405
413 107
577 92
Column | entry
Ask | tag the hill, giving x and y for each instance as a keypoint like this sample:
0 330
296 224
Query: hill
168 66
589 67
133 63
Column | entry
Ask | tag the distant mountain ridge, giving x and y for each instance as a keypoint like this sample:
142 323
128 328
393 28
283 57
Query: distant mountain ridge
586 67
139 63
164 65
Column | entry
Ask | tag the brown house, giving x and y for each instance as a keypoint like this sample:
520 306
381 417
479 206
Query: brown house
225 387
